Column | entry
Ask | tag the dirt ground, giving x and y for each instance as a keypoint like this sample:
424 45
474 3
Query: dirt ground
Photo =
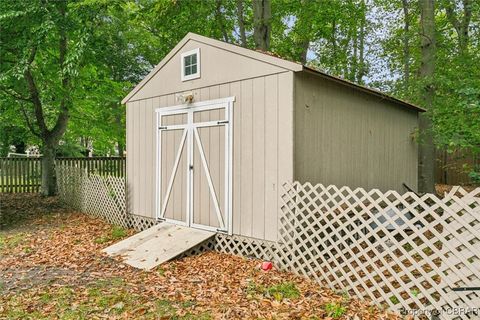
51 267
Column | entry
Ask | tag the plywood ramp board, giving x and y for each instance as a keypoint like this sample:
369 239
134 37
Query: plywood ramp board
158 244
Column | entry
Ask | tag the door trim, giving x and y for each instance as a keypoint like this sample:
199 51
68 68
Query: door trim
207 103
189 142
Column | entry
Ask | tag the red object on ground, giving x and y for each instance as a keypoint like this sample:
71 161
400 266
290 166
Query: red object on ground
266 265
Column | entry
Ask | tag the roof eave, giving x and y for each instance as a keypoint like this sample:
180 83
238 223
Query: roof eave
365 89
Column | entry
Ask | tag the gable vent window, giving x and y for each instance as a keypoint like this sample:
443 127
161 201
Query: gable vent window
191 65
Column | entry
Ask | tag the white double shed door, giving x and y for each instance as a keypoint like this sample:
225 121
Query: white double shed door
194 165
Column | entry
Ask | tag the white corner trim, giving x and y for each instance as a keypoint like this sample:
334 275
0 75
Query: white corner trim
182 64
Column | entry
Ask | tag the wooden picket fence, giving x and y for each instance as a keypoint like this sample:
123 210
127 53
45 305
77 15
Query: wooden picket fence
417 254
24 174
451 168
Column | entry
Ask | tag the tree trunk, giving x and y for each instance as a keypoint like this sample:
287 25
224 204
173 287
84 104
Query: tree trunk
426 177
304 51
461 25
333 40
361 43
406 44
48 171
120 133
303 29
262 15
219 18
241 23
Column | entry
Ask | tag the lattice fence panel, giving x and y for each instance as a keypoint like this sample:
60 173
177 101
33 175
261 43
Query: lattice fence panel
99 196
406 251
247 247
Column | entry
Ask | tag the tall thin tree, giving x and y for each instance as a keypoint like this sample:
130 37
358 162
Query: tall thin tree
426 182
406 42
262 26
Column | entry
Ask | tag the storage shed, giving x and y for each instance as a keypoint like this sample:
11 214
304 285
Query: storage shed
215 129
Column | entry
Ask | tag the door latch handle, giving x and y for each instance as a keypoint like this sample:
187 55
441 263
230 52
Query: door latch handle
191 167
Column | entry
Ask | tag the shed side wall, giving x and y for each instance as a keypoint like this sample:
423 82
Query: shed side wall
263 149
349 138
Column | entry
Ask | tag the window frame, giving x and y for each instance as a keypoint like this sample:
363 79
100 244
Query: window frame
182 64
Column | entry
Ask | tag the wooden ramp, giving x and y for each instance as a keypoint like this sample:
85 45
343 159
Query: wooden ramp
158 244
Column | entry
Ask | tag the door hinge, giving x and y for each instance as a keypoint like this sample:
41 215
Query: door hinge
222 122
161 219
162 128
222 230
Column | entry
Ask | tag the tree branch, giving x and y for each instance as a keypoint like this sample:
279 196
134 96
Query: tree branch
29 123
34 95
15 94
62 120
451 15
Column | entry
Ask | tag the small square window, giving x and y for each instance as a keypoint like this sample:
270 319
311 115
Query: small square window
190 65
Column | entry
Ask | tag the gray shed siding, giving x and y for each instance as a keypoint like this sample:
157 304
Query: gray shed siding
262 133
349 138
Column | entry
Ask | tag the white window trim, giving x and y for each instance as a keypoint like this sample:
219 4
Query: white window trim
182 71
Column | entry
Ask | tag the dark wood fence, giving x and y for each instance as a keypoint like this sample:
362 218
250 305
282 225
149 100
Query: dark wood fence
24 174
453 168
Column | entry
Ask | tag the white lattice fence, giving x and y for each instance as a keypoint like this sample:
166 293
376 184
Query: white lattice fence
403 250
103 197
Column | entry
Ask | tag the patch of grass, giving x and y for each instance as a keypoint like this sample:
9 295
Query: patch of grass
284 290
161 272
101 240
335 310
116 233
11 241
166 309
46 297
394 299
252 289
188 304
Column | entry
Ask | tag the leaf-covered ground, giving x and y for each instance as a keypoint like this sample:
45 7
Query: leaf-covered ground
51 266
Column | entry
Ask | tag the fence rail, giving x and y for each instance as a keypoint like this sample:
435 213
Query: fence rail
24 174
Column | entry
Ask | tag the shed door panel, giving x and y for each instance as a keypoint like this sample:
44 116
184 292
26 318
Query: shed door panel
209 196
174 119
174 148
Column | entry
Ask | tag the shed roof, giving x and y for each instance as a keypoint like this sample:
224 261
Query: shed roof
265 57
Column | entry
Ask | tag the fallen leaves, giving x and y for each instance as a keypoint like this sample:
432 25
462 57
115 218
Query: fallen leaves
64 274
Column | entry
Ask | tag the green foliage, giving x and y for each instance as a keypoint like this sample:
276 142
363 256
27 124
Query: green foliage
113 44
284 290
475 175
335 310
116 233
